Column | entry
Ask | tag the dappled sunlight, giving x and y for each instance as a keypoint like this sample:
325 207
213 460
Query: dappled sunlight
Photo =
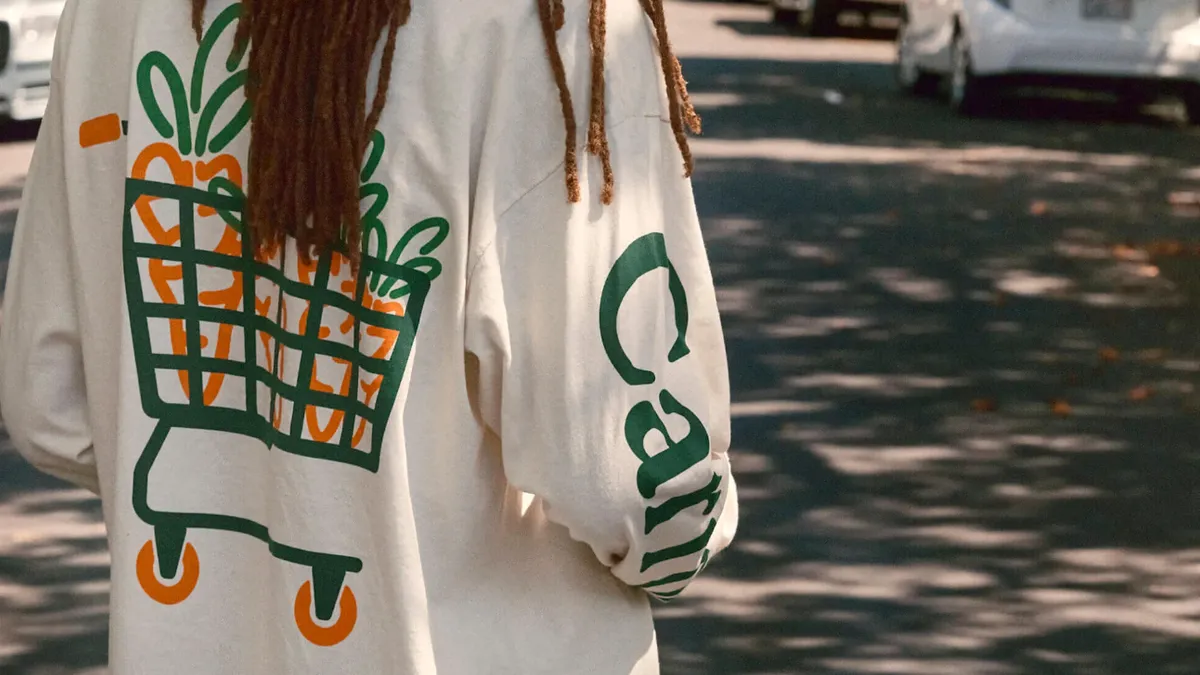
53 581
873 461
877 385
982 162
990 464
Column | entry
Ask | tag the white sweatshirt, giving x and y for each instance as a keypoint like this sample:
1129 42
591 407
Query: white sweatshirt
482 455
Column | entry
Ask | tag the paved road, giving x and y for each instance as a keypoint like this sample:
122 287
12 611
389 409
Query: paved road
964 411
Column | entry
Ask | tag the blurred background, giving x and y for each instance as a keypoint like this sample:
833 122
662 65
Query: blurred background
956 250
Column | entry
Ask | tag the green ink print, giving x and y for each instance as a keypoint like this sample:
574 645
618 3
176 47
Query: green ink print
232 86
643 256
145 80
683 550
374 156
221 185
710 494
224 20
362 412
678 457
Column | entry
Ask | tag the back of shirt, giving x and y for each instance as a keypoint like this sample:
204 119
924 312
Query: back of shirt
480 452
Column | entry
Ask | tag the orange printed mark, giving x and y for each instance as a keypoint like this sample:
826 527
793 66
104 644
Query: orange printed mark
162 273
263 308
371 389
306 269
184 173
325 636
227 298
100 130
388 338
322 332
206 171
189 575
279 366
369 302
181 174
325 434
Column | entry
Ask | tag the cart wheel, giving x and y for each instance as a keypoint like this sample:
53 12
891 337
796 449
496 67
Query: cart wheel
165 594
325 636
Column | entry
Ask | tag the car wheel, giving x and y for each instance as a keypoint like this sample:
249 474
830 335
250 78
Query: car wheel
823 18
1191 101
785 17
910 76
967 93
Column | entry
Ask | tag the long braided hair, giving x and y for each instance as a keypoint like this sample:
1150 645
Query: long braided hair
309 65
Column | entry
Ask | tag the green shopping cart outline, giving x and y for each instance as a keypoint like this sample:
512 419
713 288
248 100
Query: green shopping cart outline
170 527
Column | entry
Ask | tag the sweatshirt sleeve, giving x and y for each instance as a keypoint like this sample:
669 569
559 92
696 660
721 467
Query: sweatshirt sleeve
602 364
43 399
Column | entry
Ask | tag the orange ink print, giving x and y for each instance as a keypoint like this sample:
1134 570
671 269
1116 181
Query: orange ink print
100 130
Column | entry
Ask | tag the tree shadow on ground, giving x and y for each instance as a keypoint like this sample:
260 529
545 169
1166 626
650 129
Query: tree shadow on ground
964 427
53 573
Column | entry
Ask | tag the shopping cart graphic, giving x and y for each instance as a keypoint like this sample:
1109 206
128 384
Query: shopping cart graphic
303 355
385 301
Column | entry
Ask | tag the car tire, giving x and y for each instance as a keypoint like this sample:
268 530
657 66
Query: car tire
910 77
823 18
785 17
1191 103
967 93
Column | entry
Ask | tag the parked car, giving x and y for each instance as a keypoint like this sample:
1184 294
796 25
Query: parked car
820 17
970 48
27 32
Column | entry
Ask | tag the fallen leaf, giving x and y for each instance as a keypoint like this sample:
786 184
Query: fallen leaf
1038 207
1109 355
1140 393
985 405
1126 252
1170 249
1060 407
1152 354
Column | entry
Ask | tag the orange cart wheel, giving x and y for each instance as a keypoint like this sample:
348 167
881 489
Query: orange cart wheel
325 636
189 575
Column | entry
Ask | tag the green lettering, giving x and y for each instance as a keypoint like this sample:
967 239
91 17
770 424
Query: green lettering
685 549
643 256
657 515
679 456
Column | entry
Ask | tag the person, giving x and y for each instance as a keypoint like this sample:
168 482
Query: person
379 360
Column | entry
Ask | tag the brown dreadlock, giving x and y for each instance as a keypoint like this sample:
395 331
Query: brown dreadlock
683 114
309 63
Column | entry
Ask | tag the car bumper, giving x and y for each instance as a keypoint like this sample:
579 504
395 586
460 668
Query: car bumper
794 5
1002 43
805 5
25 90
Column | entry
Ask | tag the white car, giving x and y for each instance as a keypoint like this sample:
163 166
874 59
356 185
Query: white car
27 31
1131 47
820 17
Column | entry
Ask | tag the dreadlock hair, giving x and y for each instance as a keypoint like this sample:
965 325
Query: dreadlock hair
309 62
683 114
308 71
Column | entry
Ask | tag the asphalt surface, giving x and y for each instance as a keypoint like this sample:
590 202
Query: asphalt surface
965 405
